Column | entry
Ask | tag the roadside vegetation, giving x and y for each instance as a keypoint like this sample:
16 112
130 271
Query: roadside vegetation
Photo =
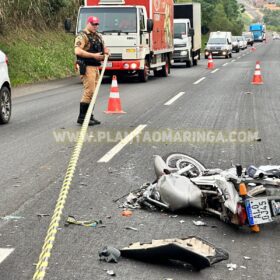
39 49
272 19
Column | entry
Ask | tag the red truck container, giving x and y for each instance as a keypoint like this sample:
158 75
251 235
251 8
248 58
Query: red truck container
139 34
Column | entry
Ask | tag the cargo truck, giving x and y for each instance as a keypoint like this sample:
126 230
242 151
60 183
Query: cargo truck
138 33
187 33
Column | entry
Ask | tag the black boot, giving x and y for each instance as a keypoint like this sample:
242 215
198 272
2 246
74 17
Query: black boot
83 112
94 120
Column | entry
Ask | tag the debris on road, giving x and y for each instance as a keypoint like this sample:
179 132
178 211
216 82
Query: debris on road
132 228
126 213
111 273
43 215
109 254
192 250
87 223
247 258
199 223
231 266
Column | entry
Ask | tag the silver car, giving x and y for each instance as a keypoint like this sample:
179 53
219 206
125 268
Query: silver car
5 90
242 42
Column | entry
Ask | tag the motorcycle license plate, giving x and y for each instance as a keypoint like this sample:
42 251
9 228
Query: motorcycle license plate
258 211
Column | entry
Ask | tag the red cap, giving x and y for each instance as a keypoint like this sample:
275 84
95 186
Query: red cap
93 19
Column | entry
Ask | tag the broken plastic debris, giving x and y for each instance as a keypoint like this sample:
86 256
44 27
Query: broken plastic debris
43 215
88 223
109 254
111 273
192 250
132 228
199 223
247 258
231 266
126 213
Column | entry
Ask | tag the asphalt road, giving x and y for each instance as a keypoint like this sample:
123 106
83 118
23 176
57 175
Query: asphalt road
34 164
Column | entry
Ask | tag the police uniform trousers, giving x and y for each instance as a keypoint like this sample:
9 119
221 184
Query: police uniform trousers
89 80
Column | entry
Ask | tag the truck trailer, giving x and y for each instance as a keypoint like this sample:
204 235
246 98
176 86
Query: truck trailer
187 33
138 33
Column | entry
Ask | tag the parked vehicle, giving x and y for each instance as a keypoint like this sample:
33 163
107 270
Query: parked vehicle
183 183
275 36
5 90
258 30
235 44
242 42
249 37
187 33
219 44
140 47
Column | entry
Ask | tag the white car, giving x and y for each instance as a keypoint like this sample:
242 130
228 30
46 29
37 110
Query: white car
275 36
242 42
5 90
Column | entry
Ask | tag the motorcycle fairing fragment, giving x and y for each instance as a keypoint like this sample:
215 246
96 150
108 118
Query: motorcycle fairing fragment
192 250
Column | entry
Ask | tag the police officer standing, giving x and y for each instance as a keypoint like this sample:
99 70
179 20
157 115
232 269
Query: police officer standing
90 51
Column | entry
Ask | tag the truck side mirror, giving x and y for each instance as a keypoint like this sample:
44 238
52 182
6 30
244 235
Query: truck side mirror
67 24
191 32
150 25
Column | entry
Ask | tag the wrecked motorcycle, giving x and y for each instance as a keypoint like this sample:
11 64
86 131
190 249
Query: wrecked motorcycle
183 182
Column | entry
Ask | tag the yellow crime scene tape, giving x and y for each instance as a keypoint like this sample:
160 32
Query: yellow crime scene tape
43 262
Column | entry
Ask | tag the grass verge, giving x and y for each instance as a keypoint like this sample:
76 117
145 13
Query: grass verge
35 56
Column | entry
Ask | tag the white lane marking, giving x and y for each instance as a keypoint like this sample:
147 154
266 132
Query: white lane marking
4 253
225 64
107 157
214 71
233 60
174 98
198 81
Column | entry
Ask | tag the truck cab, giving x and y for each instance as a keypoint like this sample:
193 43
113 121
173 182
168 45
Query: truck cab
219 44
258 30
183 41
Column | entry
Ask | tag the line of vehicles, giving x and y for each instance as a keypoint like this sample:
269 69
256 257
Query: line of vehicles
157 34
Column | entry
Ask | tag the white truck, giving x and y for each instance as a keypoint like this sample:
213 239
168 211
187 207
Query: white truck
187 33
219 44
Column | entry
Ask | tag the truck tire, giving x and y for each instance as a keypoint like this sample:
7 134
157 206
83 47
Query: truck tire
188 63
143 75
194 62
5 105
165 69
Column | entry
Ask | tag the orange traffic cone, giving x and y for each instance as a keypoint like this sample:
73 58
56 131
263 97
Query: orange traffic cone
257 78
210 62
114 103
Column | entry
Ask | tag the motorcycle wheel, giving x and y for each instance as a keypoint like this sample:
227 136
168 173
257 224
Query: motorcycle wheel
177 161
